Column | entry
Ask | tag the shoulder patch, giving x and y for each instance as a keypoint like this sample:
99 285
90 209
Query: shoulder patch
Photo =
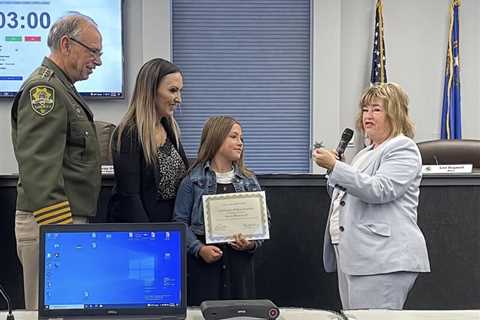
42 99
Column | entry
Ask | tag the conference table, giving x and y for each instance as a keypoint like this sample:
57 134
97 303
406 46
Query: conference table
316 314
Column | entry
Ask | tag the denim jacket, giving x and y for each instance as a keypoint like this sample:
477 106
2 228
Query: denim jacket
189 205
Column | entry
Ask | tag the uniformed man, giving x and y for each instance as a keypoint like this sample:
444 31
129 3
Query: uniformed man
55 142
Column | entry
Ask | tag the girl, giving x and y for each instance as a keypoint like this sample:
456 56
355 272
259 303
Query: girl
219 271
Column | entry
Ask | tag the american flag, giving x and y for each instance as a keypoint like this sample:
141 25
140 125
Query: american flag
379 73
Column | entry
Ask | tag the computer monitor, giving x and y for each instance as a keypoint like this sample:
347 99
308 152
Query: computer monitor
122 270
25 25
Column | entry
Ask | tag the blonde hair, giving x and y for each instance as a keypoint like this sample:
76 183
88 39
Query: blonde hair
395 103
215 131
142 112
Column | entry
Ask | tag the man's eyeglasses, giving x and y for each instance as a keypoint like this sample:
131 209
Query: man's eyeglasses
95 52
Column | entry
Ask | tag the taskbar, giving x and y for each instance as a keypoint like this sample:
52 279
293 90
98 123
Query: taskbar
108 306
101 94
11 94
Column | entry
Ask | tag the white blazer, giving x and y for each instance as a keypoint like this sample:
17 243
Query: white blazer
378 218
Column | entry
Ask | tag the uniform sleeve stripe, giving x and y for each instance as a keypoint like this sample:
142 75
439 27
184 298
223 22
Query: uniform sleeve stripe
66 221
52 207
50 220
42 216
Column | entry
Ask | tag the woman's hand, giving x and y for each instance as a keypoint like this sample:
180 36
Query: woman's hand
241 244
325 158
210 254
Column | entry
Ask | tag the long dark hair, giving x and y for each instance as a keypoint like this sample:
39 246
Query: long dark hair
142 112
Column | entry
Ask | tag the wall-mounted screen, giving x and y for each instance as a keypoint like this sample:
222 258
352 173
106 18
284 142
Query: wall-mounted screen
24 27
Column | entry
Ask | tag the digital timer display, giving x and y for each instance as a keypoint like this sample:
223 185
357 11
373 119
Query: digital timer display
24 27
31 20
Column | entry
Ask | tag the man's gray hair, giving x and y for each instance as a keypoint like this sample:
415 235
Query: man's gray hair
69 25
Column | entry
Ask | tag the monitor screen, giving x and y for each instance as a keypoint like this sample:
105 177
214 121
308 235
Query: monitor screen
112 269
24 27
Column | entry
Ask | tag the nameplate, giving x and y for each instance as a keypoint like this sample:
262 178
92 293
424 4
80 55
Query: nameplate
107 169
447 168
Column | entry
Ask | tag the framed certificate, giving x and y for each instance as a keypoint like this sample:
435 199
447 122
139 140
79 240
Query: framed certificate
233 213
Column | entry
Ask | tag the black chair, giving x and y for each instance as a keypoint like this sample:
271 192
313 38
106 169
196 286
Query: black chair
104 135
450 152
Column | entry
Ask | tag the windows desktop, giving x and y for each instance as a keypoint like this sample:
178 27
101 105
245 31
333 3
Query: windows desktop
120 269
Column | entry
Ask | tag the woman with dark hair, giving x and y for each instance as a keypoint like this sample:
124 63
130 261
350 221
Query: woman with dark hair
148 157
220 271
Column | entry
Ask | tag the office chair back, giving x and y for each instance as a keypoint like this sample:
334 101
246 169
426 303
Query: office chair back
450 152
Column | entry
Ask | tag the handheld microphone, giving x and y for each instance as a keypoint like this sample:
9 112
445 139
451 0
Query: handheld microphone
344 140
9 305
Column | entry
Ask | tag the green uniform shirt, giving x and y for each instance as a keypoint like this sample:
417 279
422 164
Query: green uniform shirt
56 147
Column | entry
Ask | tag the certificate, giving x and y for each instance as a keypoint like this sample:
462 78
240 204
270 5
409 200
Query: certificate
232 213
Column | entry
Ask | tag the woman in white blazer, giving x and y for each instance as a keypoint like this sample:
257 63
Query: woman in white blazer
372 238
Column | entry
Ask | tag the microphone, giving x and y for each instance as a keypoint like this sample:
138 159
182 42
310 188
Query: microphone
344 140
9 305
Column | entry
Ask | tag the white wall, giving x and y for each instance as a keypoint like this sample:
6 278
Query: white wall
415 36
147 35
415 40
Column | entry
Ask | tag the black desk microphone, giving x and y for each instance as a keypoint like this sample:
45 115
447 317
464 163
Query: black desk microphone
9 305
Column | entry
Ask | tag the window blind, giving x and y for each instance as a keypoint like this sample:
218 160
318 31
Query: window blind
249 59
